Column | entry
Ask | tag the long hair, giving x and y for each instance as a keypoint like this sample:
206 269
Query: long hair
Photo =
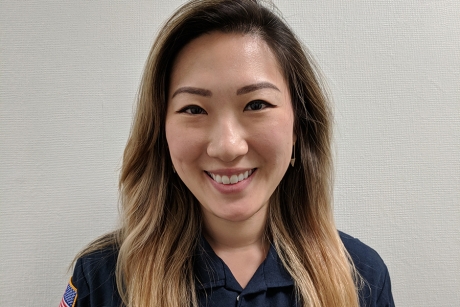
161 219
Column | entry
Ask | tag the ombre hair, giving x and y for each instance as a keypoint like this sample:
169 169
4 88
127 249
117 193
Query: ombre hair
161 219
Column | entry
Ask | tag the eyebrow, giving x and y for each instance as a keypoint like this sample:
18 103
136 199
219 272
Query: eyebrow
193 90
254 87
207 93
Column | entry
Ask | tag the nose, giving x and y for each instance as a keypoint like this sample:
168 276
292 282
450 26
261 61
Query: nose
228 140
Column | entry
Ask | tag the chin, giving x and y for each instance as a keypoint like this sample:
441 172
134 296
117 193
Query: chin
239 214
236 217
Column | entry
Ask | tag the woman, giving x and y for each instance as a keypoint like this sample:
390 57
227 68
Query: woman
226 178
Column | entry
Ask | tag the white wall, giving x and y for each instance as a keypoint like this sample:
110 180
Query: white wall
69 72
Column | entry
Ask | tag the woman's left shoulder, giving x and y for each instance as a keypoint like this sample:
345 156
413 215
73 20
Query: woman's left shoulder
376 290
361 253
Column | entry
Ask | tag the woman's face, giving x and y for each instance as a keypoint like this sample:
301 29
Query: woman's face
229 124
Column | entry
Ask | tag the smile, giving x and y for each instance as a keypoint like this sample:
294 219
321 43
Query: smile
230 179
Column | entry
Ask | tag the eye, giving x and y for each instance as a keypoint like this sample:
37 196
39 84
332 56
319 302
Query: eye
194 110
257 105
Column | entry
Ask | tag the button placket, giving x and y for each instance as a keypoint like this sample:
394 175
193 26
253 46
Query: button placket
238 303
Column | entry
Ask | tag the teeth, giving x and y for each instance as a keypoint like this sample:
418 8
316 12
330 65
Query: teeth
232 179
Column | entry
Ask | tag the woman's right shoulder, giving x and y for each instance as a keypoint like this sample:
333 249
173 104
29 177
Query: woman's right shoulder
96 260
94 279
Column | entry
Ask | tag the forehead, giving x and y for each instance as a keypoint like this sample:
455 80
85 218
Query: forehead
231 55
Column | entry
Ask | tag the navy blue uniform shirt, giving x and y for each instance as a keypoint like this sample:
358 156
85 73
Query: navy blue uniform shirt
94 281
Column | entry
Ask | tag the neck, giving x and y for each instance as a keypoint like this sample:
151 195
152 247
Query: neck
240 245
229 235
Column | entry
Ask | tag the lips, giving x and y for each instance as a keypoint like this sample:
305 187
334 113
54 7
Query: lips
230 179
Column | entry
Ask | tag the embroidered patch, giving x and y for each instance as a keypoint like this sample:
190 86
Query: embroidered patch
70 296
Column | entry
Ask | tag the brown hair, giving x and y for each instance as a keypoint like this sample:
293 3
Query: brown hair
161 219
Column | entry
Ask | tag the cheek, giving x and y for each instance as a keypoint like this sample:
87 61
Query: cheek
184 144
280 148
274 142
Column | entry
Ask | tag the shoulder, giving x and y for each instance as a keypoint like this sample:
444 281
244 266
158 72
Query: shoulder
376 290
363 256
94 279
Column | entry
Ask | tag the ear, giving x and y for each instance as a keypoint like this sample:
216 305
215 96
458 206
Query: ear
294 137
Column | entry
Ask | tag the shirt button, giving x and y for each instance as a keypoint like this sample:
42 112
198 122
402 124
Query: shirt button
238 298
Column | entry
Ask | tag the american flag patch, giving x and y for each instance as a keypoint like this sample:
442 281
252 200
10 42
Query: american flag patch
70 296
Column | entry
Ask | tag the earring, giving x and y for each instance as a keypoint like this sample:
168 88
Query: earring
174 169
293 155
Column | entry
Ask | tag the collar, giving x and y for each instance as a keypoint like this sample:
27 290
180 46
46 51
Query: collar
211 271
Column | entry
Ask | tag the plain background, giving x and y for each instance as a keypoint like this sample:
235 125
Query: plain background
69 73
